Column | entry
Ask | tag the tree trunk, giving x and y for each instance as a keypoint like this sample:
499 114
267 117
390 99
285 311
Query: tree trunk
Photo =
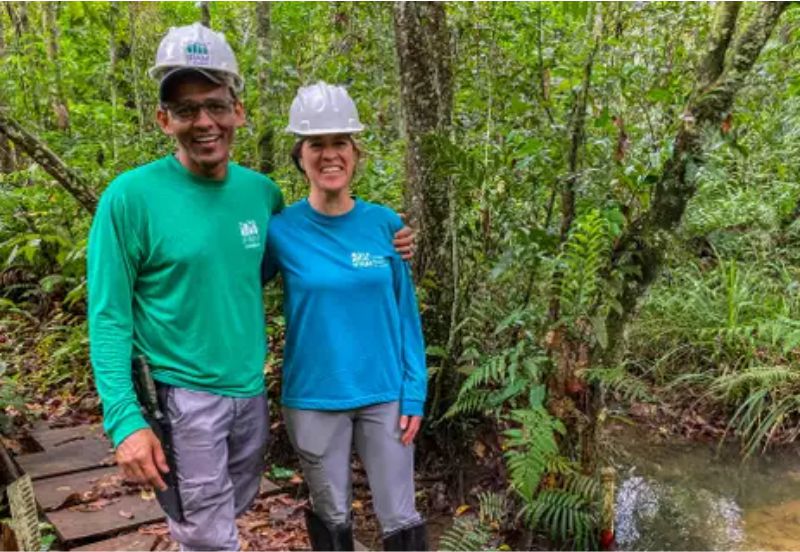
58 101
19 19
7 157
133 37
567 350
725 16
113 55
2 36
578 134
424 53
18 13
265 153
23 140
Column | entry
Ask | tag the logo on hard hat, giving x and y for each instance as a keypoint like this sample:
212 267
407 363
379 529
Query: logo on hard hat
197 53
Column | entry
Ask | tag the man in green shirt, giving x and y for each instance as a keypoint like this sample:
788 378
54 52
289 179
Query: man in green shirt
173 272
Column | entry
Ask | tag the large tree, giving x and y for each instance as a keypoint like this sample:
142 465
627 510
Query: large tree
425 57
639 253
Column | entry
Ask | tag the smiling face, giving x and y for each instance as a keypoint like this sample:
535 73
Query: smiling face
204 135
329 162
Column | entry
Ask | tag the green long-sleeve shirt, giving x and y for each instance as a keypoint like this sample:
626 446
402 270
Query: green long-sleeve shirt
174 274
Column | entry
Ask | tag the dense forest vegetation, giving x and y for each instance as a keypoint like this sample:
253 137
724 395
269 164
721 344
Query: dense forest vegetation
607 198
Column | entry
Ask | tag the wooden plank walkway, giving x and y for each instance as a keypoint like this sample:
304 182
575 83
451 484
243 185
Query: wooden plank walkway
76 461
128 541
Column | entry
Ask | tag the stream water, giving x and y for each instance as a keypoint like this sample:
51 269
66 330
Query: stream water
694 496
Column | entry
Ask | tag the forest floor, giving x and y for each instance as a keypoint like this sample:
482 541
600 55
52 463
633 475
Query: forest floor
454 464
449 477
275 521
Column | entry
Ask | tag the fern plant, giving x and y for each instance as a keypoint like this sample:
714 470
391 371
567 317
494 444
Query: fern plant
585 293
465 534
618 379
531 447
477 533
768 399
556 497
500 380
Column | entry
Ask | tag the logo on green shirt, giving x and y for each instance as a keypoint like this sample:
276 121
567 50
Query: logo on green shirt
249 231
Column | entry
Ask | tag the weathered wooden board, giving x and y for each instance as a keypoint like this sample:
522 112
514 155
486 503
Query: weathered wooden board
74 459
53 439
72 525
52 491
68 458
128 541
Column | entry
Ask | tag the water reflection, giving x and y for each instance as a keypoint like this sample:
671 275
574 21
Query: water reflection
694 497
654 516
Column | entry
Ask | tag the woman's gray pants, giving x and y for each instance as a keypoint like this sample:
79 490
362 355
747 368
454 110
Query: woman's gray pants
219 445
324 441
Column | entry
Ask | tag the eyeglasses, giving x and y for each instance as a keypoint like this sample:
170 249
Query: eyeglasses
217 109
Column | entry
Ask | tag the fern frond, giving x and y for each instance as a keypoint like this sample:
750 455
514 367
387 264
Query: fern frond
565 516
530 447
465 534
493 507
620 380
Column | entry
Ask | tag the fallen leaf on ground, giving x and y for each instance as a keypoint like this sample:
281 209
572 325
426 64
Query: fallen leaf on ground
253 524
93 506
158 529
71 500
126 515
461 509
147 494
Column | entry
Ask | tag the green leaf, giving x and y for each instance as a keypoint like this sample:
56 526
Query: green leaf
279 472
599 325
537 395
435 351
659 95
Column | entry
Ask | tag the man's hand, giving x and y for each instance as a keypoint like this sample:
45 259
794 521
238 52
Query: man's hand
410 426
404 242
142 459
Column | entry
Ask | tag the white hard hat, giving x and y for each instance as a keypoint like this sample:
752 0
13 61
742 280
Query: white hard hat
196 48
323 108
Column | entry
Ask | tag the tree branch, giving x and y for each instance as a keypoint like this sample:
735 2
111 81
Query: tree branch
578 130
78 187
725 16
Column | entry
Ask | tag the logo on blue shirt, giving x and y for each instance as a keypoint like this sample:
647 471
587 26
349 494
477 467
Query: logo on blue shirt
367 260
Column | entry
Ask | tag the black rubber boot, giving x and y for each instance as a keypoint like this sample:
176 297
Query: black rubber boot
410 538
323 537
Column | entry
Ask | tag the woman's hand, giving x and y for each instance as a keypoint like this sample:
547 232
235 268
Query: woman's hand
404 242
410 426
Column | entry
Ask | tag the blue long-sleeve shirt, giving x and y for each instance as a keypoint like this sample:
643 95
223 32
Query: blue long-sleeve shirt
353 333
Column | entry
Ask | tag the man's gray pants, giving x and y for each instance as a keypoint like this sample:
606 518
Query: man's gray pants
219 444
324 441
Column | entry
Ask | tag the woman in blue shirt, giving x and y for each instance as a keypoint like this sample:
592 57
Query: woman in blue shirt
354 361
